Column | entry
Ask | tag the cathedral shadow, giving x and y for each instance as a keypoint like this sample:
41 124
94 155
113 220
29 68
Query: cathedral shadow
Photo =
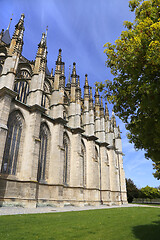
147 232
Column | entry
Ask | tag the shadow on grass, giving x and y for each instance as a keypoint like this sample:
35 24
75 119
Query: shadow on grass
147 232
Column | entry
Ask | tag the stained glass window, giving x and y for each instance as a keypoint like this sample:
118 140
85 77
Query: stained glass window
10 157
44 137
66 145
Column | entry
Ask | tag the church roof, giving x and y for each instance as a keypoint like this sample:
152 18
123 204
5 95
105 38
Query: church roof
6 37
47 71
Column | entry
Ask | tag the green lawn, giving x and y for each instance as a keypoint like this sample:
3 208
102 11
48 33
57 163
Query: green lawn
109 224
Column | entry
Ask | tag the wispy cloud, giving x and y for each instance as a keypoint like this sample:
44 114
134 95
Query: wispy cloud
80 28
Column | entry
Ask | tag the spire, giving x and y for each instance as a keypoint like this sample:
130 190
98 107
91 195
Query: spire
41 57
101 109
9 23
42 42
69 77
78 82
78 90
73 83
62 78
59 60
5 36
97 97
113 119
74 71
46 33
17 39
97 104
86 88
106 112
86 80
52 72
90 100
119 132
19 26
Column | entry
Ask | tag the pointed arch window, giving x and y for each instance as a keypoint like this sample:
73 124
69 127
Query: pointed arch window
83 165
22 88
44 138
11 151
66 169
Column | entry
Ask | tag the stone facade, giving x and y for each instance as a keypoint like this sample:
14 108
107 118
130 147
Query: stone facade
57 148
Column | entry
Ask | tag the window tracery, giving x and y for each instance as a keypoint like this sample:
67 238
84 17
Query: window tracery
44 138
10 157
83 154
66 169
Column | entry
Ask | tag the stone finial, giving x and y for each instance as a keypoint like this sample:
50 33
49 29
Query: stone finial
119 132
78 82
46 32
78 90
42 42
106 112
73 83
97 97
86 80
52 72
101 109
97 103
113 119
17 39
91 100
69 77
22 16
62 78
86 88
74 71
59 59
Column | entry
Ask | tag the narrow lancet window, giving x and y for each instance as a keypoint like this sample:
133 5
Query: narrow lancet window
66 145
10 157
44 138
83 164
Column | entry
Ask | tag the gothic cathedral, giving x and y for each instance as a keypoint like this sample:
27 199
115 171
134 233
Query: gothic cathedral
56 148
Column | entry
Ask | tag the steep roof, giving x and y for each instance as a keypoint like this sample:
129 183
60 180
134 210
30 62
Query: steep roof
6 37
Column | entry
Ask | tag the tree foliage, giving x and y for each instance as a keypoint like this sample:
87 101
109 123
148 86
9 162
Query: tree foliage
150 192
134 61
132 190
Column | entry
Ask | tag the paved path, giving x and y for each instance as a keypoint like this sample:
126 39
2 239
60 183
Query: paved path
20 210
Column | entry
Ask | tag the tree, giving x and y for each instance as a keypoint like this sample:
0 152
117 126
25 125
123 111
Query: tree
134 61
150 192
132 190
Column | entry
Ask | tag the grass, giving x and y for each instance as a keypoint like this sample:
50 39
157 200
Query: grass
107 224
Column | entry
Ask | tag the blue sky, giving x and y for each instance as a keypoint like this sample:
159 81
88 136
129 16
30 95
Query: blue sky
80 28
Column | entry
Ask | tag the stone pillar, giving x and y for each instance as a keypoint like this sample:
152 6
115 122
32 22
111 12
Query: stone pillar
105 174
56 164
29 167
6 96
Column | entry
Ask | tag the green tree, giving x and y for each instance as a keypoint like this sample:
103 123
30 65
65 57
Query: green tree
132 190
134 61
150 192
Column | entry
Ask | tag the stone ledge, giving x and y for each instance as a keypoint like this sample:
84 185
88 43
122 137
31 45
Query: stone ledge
6 91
